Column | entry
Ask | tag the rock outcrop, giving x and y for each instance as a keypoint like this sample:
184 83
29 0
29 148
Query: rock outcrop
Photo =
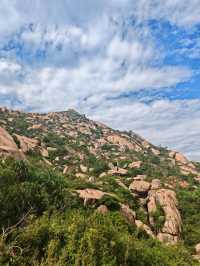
136 164
117 171
8 147
127 213
165 199
90 195
140 187
31 144
184 164
197 252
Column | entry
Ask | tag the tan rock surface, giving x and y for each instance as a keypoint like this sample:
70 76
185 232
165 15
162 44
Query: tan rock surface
127 213
27 144
117 171
8 147
140 186
122 142
135 164
167 200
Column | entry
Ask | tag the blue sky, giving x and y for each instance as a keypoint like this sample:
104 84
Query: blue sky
132 64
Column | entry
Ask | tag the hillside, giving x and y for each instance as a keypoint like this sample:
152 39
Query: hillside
76 192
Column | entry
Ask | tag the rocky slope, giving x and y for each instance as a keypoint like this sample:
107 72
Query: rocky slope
140 178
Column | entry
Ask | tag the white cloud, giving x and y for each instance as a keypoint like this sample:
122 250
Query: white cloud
185 13
94 55
175 124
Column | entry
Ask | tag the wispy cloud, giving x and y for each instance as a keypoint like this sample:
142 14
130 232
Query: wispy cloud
96 55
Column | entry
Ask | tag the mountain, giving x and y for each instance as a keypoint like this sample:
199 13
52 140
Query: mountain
76 192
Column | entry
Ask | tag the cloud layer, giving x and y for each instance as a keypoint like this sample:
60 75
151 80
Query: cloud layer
107 60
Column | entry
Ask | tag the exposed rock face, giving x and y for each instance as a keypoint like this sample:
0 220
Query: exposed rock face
181 158
135 164
90 195
27 144
8 147
155 151
37 126
185 165
122 142
65 169
171 230
31 144
155 184
128 214
117 171
197 249
197 252
140 187
83 168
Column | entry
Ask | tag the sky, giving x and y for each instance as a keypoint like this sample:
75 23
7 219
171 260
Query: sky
132 64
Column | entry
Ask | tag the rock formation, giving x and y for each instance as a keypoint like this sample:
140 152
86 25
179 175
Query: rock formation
8 147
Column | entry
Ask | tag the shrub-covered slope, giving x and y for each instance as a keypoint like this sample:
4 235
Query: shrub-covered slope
75 192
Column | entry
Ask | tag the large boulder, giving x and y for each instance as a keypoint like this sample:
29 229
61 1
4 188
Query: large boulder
122 142
8 147
117 171
127 213
27 144
90 195
140 187
136 164
166 199
31 144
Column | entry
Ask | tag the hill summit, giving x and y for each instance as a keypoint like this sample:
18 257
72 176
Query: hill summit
53 164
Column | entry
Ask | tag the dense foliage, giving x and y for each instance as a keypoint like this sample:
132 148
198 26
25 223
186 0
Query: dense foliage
44 223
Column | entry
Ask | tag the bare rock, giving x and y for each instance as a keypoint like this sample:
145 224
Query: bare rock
140 177
117 171
181 158
83 168
135 164
122 142
127 213
167 238
155 151
65 169
91 179
81 175
36 127
102 175
8 147
197 249
44 152
155 184
187 169
140 187
27 144
90 195
167 200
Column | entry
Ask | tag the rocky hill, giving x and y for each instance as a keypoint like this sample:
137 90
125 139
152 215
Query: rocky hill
54 162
